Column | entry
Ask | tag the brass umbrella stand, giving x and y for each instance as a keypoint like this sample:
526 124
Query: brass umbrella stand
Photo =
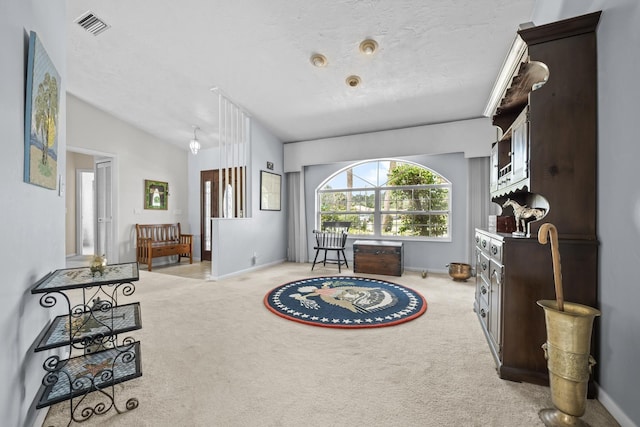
569 327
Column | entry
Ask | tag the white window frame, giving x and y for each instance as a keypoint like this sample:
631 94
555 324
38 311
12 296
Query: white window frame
377 209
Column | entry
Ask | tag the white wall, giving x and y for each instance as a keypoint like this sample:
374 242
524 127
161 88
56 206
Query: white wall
39 238
32 218
618 37
418 255
235 241
471 137
139 156
468 138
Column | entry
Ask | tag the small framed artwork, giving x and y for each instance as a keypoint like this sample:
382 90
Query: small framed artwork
156 194
270 187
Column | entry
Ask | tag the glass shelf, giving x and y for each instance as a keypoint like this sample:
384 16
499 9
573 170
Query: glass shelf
91 324
82 277
84 374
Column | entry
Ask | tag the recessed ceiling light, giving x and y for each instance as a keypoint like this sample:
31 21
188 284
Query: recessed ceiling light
318 60
353 81
368 46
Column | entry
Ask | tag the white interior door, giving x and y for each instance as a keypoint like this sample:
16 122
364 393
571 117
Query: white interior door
104 210
85 212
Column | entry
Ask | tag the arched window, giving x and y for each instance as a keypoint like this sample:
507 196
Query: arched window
387 198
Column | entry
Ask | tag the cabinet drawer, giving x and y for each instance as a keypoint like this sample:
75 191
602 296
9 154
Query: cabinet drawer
483 267
495 250
483 242
483 312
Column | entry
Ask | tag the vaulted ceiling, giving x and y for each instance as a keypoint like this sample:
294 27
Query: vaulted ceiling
157 63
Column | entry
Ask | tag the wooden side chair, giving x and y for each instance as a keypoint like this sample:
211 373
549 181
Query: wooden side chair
332 237
336 226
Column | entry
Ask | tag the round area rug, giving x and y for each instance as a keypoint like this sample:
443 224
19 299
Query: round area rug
345 302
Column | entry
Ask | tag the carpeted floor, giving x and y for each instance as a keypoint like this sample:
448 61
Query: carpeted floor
213 355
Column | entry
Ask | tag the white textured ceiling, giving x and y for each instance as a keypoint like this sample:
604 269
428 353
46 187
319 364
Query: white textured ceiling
155 67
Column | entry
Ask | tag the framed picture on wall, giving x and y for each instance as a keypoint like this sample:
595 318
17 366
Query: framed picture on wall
42 105
270 188
156 194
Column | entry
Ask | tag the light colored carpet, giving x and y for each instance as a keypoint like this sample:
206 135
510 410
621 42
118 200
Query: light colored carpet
213 355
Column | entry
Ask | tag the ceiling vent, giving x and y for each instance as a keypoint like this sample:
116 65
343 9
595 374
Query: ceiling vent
92 23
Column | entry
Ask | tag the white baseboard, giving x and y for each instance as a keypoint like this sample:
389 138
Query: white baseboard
168 260
614 409
257 267
41 415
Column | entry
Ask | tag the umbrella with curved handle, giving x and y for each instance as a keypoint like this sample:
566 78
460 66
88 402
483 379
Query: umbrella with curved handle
552 232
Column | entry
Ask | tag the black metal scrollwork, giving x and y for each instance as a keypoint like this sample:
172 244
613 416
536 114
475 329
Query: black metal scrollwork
92 327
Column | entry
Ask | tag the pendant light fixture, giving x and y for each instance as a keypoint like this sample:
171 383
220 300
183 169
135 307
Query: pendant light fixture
194 145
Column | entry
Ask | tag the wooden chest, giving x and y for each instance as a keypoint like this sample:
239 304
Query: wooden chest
378 257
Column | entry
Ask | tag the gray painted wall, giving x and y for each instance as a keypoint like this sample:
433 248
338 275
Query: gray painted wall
261 232
32 217
39 246
418 255
264 233
618 194
471 137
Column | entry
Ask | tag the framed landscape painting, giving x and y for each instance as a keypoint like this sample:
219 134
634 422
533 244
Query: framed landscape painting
42 106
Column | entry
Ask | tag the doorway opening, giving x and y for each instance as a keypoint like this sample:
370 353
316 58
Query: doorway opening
85 212
91 219
210 196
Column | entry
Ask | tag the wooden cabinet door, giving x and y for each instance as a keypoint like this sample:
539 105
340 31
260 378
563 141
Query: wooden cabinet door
495 297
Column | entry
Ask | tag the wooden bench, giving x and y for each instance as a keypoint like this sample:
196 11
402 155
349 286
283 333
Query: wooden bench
158 240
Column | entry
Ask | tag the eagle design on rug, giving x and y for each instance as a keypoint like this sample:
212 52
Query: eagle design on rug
358 299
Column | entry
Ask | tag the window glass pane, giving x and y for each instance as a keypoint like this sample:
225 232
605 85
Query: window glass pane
363 224
366 173
383 172
389 224
333 201
433 225
347 201
362 201
360 223
439 199
350 178
413 200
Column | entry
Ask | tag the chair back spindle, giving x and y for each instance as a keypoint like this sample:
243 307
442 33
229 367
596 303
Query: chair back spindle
332 237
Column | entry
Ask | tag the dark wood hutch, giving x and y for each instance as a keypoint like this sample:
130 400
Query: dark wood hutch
545 157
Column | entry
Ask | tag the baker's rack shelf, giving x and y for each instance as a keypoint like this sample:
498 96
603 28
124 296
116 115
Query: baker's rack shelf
98 356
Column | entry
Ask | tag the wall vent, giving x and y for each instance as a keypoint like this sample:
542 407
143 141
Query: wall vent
92 23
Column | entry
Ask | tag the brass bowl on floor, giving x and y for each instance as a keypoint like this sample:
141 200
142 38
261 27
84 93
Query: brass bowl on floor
459 271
